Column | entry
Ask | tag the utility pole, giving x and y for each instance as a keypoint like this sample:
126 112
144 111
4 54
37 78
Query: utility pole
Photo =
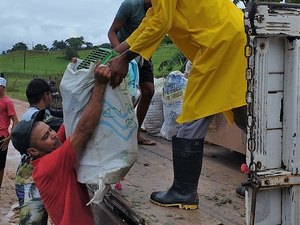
25 54
24 66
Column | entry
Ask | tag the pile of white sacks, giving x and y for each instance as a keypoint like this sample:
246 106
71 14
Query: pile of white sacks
166 105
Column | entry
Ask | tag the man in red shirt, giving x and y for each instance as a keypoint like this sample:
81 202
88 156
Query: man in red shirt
54 162
7 114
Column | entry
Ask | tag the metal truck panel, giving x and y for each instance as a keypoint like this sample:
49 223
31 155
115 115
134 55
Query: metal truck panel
268 207
276 115
274 19
268 95
291 107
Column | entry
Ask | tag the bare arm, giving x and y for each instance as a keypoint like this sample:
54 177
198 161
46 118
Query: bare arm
91 114
122 47
15 120
5 141
112 32
113 38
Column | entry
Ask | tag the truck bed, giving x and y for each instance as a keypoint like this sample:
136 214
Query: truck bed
154 171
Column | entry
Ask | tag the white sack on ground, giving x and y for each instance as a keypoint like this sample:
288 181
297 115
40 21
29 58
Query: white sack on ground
172 99
113 148
155 116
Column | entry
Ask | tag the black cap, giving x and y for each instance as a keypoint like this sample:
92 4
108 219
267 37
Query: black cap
37 87
20 135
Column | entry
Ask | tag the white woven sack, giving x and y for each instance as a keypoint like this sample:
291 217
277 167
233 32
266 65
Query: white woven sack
155 116
172 98
113 148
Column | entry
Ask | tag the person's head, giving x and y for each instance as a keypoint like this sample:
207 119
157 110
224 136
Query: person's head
39 92
34 137
2 86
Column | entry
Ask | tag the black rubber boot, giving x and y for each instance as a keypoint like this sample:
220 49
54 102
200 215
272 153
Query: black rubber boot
240 191
187 165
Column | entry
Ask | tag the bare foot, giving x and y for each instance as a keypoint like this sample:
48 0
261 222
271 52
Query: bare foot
143 141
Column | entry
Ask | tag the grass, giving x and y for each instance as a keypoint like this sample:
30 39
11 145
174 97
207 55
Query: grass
164 52
35 62
21 66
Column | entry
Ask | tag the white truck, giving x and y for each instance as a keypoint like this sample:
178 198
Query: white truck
273 98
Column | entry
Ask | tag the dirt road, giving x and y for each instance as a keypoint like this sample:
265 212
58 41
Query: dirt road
153 171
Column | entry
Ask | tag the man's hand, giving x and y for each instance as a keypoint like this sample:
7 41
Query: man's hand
119 67
102 74
4 143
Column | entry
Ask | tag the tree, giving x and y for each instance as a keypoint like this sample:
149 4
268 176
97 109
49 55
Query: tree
88 45
75 42
59 45
19 46
70 53
105 45
40 47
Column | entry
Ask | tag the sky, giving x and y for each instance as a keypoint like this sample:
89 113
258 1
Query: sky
41 22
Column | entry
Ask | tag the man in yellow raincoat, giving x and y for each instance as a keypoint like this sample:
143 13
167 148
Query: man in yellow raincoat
211 35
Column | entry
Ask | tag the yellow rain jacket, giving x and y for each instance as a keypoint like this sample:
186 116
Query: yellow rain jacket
210 33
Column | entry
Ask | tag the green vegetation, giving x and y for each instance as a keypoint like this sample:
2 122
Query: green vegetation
20 67
35 62
164 53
